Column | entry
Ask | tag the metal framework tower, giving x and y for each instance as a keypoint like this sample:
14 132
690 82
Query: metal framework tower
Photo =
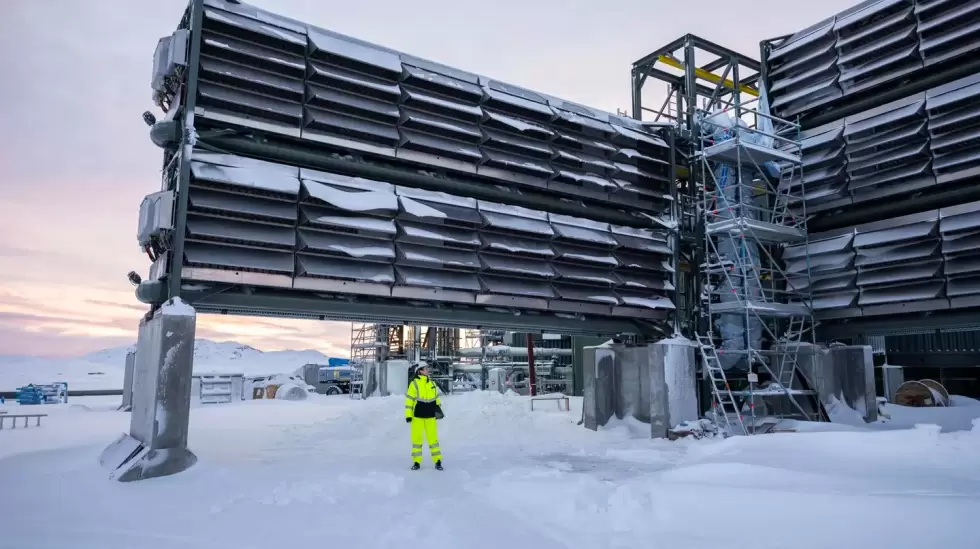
742 202
366 344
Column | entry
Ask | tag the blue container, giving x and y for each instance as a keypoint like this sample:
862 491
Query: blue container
30 395
332 362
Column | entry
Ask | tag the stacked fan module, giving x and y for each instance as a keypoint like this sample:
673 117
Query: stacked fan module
904 172
437 172
862 50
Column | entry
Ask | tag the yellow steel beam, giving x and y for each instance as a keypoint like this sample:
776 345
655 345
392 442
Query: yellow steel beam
710 77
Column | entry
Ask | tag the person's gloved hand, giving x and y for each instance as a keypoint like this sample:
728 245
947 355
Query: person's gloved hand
439 414
408 420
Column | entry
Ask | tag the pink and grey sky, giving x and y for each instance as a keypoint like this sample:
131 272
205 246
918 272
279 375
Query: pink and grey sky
75 158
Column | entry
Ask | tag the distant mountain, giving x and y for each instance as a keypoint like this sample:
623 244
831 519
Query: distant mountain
104 369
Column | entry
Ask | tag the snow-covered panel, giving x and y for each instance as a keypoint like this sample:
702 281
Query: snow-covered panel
582 231
291 40
437 197
440 105
643 240
377 202
345 269
516 266
578 274
517 125
590 256
443 84
437 257
587 294
519 224
346 182
337 221
646 301
368 249
507 244
516 286
514 104
331 46
236 171
644 282
441 124
639 262
437 278
438 212
430 234
356 82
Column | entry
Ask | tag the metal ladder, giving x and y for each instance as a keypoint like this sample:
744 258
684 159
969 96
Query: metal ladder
723 399
357 382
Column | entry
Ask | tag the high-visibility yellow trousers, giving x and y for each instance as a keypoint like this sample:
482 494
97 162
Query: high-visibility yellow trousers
425 429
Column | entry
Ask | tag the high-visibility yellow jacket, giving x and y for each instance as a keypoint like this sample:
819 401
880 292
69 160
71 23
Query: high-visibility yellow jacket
422 398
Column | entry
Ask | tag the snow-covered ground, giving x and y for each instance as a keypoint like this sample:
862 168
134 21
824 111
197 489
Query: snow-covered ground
104 369
332 472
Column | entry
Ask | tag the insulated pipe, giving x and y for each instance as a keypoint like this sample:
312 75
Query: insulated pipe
511 351
490 192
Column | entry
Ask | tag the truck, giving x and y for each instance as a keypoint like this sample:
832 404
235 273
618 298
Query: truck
335 378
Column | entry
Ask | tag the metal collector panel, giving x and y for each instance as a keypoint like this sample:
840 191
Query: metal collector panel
917 263
267 224
265 72
389 249
870 52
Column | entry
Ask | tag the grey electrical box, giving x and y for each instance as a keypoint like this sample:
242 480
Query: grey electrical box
171 53
156 216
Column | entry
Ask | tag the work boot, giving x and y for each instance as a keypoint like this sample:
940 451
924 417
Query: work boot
416 466
439 465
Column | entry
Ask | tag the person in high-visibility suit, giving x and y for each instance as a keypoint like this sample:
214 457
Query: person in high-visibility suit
422 409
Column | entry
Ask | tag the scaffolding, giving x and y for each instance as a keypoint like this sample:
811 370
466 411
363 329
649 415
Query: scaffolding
741 202
377 343
367 342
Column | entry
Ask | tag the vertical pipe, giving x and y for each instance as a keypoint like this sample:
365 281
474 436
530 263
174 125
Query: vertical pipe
678 215
533 379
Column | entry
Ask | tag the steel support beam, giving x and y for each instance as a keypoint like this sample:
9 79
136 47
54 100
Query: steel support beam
189 103
298 305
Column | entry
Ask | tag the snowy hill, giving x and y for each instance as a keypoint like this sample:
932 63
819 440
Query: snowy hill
104 369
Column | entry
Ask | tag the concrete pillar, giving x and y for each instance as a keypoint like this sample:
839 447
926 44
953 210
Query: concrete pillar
127 399
680 373
156 445
659 397
599 373
634 384
497 380
892 377
846 373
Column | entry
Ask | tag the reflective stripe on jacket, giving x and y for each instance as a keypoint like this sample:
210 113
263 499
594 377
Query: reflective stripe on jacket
422 398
